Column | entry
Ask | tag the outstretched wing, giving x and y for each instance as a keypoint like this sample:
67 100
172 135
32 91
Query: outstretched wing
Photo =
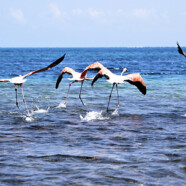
137 80
100 74
94 66
180 50
4 80
46 68
64 71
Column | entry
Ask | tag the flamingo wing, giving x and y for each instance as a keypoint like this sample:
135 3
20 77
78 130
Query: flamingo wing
46 68
100 74
180 50
137 80
64 71
94 66
4 80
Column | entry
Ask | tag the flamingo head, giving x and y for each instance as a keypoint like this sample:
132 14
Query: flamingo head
124 70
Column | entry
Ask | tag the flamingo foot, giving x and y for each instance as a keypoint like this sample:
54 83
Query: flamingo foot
17 105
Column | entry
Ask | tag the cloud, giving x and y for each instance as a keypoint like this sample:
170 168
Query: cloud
77 11
18 15
141 13
95 13
55 10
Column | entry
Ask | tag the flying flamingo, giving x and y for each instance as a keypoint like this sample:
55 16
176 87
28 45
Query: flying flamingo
76 77
180 50
19 80
134 79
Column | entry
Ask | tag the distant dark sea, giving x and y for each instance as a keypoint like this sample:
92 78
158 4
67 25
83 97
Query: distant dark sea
141 143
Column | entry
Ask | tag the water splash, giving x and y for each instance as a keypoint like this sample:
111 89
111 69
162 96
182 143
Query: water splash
115 112
184 115
41 110
91 116
61 105
28 118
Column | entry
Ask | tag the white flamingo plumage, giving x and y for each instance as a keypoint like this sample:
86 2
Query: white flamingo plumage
19 80
134 79
76 77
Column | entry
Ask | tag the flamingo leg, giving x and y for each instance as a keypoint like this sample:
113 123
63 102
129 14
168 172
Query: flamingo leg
24 100
16 97
68 91
110 96
80 93
118 95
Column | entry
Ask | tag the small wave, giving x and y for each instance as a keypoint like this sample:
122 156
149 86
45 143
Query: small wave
61 105
90 116
40 110
160 73
184 115
13 113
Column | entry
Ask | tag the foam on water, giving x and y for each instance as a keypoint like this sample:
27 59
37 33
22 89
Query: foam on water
91 116
61 105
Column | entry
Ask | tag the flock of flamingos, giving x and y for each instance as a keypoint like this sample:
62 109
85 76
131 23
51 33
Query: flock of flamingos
134 78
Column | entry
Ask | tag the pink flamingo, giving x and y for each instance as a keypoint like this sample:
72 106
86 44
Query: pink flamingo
134 79
76 77
180 50
19 80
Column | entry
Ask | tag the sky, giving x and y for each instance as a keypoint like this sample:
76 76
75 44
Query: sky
92 23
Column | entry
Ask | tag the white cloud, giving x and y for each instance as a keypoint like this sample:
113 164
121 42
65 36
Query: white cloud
95 13
55 10
77 11
18 15
142 13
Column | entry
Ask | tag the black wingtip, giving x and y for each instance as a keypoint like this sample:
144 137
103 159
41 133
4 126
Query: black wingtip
59 79
144 91
63 56
57 86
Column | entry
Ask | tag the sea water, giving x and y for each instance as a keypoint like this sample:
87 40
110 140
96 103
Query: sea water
142 142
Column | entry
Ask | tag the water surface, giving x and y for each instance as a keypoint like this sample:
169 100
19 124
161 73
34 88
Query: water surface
142 142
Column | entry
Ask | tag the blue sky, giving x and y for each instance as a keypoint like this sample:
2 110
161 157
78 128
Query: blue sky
92 23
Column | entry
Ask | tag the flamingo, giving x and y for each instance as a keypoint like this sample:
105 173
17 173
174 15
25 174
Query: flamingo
76 77
180 50
134 79
19 80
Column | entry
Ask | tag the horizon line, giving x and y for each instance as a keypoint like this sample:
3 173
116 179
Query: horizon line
89 46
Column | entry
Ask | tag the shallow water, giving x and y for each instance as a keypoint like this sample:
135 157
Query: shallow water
142 142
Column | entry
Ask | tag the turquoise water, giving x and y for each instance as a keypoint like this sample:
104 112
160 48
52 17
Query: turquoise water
142 142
